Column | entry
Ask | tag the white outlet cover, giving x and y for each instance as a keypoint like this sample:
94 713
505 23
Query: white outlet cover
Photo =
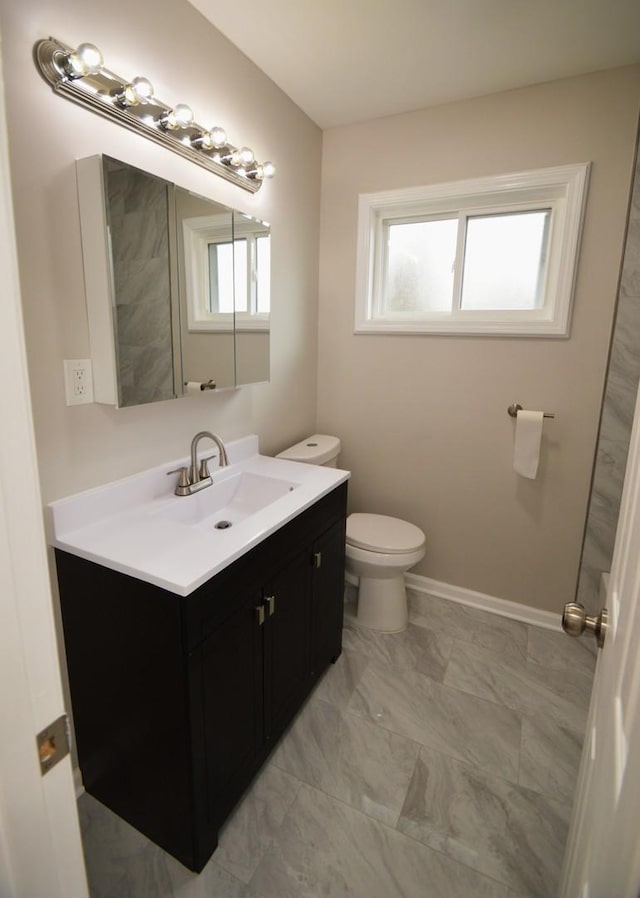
78 381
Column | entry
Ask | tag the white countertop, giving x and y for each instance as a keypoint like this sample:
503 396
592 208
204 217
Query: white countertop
139 527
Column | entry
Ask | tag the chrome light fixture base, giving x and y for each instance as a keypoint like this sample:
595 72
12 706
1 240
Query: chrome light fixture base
102 90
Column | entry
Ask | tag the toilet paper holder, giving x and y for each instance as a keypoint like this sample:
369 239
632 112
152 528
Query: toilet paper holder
515 407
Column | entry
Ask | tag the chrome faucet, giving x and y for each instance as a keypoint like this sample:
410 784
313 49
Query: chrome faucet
198 477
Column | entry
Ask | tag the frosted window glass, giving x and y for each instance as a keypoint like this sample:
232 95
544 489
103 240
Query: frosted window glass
420 266
505 261
220 277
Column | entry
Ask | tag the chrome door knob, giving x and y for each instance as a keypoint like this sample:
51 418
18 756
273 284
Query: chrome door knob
575 621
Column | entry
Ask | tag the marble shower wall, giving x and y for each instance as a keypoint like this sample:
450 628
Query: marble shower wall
617 417
138 217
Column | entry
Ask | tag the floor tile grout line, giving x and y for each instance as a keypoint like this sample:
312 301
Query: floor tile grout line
529 628
504 668
506 885
443 631
420 745
393 829
335 798
424 745
352 714
469 612
495 661
277 826
489 774
520 714
388 664
240 882
568 802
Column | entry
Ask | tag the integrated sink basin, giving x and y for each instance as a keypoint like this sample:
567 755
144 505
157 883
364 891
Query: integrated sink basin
228 501
139 527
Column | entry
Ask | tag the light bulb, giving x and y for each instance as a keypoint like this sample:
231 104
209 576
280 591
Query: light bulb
85 60
179 117
245 156
139 91
260 172
210 140
218 136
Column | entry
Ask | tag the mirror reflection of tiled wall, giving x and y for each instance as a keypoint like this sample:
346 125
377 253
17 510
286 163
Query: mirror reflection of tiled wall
617 417
140 258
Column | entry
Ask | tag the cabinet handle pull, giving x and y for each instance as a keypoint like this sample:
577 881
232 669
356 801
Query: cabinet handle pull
271 602
260 614
317 559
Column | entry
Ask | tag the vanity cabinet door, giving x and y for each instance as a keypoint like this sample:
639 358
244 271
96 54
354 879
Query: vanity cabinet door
230 668
286 642
327 605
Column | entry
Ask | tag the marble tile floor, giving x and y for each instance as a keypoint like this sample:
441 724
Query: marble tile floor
435 763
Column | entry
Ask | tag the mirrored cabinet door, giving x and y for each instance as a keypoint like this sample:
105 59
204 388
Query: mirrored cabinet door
204 232
138 212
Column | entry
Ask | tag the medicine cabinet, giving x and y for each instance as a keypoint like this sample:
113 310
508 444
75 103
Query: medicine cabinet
177 286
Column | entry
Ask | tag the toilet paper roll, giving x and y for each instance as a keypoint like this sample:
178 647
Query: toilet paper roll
526 449
192 387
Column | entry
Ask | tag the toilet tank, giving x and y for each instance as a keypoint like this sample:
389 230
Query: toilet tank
318 449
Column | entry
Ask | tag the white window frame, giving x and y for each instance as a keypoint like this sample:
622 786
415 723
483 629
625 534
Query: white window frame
251 229
198 233
560 188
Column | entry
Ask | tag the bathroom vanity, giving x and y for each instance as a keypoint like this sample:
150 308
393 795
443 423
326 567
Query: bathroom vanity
180 694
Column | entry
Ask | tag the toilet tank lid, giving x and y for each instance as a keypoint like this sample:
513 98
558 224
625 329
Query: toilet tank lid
316 449
381 533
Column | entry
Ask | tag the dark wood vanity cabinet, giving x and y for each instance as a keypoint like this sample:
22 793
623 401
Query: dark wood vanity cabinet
177 701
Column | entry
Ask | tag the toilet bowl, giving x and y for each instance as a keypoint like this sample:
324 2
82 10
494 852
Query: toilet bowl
379 549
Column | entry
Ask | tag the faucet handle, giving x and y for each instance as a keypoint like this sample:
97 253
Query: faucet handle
183 480
204 467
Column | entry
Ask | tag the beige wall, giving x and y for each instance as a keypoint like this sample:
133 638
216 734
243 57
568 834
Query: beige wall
188 61
423 419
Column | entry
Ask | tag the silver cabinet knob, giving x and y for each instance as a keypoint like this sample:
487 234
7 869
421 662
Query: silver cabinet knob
575 621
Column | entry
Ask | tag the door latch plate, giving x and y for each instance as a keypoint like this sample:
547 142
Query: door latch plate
53 743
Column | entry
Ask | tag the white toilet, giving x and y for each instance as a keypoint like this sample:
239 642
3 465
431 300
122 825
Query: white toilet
379 549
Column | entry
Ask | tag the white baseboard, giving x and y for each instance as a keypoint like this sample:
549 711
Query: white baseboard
514 610
77 782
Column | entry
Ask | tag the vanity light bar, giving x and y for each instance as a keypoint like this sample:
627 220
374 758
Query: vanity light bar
80 76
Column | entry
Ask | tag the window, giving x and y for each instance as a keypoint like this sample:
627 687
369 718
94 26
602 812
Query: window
491 256
227 273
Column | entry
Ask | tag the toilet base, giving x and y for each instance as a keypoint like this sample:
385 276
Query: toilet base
382 604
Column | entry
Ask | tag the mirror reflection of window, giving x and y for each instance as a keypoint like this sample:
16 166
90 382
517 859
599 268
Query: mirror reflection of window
263 274
240 276
221 274
240 262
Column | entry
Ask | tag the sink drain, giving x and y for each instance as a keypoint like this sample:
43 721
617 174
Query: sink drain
222 525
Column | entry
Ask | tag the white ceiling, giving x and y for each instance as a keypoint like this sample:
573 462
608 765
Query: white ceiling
343 61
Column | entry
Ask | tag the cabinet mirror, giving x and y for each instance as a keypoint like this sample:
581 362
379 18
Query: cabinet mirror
178 287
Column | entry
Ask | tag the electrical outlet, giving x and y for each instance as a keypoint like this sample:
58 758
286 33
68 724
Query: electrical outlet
78 381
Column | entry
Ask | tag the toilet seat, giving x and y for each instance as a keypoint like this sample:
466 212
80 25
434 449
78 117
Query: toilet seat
383 534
